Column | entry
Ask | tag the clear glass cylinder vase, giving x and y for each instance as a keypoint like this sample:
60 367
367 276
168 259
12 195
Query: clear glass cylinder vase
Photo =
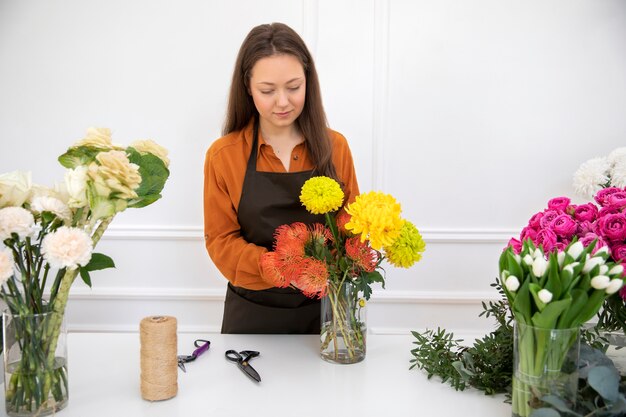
545 362
35 363
343 325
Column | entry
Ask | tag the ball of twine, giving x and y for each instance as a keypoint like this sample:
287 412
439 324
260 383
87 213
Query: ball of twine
159 363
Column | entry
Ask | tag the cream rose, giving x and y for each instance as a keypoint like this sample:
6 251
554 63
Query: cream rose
114 174
76 186
97 137
15 188
150 146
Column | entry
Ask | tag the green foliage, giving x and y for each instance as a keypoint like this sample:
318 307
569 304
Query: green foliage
153 173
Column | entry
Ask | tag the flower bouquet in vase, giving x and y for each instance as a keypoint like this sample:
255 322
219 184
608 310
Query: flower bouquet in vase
551 294
339 261
47 237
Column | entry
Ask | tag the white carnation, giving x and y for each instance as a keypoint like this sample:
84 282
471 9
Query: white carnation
67 247
617 156
53 205
16 220
6 265
618 174
591 176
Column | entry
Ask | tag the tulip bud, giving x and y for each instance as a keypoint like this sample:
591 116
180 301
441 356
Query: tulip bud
540 265
575 250
603 270
528 260
560 257
537 253
617 270
600 282
614 286
545 296
512 283
592 263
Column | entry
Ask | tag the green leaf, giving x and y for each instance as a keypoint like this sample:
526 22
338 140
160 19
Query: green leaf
521 305
84 274
153 173
554 280
579 301
548 317
605 381
83 155
99 261
591 308
534 290
513 267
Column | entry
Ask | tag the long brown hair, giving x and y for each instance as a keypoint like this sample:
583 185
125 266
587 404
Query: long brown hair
273 39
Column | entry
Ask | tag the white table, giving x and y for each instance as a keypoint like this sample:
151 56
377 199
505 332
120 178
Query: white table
104 381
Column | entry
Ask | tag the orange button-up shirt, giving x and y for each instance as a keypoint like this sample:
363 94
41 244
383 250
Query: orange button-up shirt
224 170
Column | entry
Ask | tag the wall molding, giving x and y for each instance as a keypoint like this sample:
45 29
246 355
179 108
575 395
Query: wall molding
195 233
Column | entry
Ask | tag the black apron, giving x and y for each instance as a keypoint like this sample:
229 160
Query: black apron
269 200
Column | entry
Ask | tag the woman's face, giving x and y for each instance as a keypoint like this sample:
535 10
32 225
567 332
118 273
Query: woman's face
278 88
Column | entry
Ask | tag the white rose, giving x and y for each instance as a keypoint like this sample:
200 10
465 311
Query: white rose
512 283
76 186
14 188
6 265
67 247
540 265
600 282
614 286
16 220
545 296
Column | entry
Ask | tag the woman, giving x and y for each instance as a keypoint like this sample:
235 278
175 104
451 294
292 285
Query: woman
276 137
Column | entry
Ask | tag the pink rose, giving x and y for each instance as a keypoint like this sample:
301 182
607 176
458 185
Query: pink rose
535 221
613 226
560 246
558 203
617 200
622 293
586 212
515 244
548 217
603 195
585 227
528 233
564 226
618 252
546 238
604 211
590 237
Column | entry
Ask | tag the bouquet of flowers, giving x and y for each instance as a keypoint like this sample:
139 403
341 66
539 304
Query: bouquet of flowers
45 229
606 178
339 261
551 294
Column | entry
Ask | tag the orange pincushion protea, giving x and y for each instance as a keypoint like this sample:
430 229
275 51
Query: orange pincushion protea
271 267
361 253
313 279
342 219
290 239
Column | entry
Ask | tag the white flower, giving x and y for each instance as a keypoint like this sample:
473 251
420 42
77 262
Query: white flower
67 247
503 275
540 265
16 220
600 282
53 205
518 258
603 270
592 263
97 137
6 265
614 286
76 186
537 253
150 146
575 250
114 174
528 260
545 296
618 175
591 176
560 257
618 155
512 283
14 188
617 270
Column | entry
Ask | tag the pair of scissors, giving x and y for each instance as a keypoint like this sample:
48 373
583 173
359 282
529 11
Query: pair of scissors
202 346
241 359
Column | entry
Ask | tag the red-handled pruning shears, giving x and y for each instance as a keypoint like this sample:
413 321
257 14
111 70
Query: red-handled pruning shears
202 346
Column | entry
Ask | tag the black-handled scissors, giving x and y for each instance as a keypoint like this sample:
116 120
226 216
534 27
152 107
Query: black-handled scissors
242 360
202 346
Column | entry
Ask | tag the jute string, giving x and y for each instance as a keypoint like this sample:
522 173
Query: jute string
159 365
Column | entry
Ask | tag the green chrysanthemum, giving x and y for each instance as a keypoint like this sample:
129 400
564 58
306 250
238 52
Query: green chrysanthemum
407 248
321 195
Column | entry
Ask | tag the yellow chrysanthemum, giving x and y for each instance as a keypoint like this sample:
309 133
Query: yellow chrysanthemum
375 216
321 195
407 248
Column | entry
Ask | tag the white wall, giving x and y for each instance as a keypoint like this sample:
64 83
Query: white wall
472 113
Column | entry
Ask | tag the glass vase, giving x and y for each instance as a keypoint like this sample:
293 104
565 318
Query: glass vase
343 324
545 362
35 363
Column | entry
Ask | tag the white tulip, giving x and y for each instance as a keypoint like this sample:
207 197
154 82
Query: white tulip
604 250
614 286
592 263
560 257
600 282
512 283
503 275
575 250
603 270
545 296
528 260
14 188
537 253
518 258
540 265
617 270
